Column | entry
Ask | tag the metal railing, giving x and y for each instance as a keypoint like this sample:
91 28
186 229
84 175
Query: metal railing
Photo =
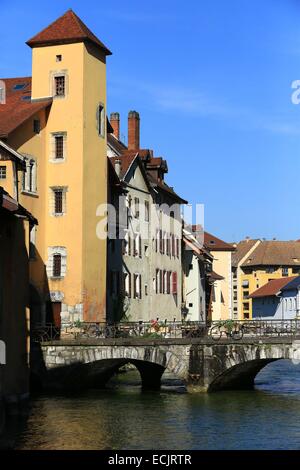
215 330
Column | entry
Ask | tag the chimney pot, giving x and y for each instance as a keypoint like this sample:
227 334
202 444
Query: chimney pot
133 130
115 124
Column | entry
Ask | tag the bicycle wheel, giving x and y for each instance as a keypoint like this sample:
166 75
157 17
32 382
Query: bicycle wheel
236 334
215 333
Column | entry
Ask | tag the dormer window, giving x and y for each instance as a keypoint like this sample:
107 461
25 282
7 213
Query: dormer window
59 82
2 92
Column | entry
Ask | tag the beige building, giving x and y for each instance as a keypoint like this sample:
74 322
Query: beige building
221 308
151 254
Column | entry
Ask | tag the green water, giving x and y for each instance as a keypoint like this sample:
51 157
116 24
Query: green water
124 417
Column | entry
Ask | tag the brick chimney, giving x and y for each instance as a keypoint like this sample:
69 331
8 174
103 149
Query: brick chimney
133 130
115 124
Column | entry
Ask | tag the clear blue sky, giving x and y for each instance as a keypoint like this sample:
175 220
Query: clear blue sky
212 82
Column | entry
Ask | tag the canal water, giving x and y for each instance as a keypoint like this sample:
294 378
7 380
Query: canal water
124 417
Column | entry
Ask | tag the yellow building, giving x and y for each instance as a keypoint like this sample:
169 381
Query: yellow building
221 307
255 263
57 121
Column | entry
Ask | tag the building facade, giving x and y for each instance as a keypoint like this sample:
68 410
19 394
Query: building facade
151 253
279 299
266 260
56 120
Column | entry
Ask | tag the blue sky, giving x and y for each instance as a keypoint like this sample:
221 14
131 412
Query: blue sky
212 83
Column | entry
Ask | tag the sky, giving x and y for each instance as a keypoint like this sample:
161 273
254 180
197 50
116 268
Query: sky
212 81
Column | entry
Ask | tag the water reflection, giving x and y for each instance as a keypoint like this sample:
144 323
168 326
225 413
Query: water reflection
122 417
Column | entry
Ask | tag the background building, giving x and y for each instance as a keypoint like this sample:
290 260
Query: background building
279 299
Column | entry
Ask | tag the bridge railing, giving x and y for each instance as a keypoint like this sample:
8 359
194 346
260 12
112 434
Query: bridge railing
216 330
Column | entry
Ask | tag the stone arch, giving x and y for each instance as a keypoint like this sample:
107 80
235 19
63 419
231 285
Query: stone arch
95 365
241 376
241 365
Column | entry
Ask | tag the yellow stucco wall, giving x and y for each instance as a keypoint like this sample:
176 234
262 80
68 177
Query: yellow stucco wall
83 173
221 306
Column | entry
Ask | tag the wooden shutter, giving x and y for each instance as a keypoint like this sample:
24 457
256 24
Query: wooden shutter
174 282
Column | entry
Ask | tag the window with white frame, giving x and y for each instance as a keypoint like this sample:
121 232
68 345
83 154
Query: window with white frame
58 147
57 262
58 200
29 182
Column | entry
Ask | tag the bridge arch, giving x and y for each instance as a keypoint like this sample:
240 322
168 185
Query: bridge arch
240 367
71 367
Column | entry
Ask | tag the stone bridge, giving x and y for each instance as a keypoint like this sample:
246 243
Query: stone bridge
202 364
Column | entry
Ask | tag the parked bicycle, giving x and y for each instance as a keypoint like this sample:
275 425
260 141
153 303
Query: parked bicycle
227 328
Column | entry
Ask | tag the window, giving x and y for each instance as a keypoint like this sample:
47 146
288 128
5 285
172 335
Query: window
59 84
58 199
147 211
59 146
101 120
127 284
58 58
138 245
136 207
169 274
29 177
57 265
161 282
157 281
137 286
58 196
285 271
57 262
146 289
177 247
2 172
36 126
245 294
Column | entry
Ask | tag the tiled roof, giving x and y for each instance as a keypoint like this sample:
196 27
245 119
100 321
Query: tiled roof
126 162
272 287
66 29
241 250
18 106
116 144
275 253
213 243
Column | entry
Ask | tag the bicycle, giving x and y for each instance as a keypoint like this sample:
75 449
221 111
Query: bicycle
230 330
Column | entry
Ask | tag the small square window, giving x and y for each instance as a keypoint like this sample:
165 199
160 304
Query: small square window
58 58
2 172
